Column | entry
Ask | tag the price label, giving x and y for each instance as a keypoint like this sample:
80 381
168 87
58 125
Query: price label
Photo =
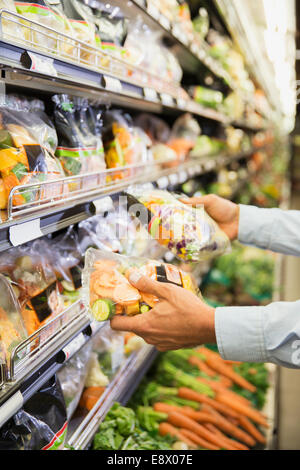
166 99
181 103
72 347
198 169
150 94
38 63
140 2
104 204
153 11
162 182
112 84
194 48
25 232
164 21
182 176
173 178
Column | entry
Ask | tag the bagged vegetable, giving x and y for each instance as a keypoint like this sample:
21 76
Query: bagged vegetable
12 329
184 134
109 347
79 150
189 233
72 377
42 14
41 424
26 143
107 291
10 29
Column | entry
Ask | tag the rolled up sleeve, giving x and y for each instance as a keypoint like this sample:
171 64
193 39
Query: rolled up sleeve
260 334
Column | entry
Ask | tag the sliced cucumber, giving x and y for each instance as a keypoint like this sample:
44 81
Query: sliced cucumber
68 285
144 308
103 309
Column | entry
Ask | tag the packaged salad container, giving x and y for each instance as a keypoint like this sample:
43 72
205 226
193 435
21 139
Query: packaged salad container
188 232
108 292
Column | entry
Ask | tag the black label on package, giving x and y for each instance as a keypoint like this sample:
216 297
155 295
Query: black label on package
76 273
41 302
36 158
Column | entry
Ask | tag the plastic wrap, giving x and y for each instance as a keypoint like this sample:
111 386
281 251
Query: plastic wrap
80 151
12 329
40 12
9 28
109 347
184 134
72 377
107 291
26 142
41 424
188 232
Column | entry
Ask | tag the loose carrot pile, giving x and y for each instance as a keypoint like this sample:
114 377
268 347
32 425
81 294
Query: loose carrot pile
213 417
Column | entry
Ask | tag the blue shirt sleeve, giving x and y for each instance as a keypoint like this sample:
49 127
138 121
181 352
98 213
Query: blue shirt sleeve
271 333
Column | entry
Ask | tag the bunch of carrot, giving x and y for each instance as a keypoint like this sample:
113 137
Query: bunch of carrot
224 421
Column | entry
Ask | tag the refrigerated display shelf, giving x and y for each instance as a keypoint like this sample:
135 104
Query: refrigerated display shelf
57 211
41 355
125 382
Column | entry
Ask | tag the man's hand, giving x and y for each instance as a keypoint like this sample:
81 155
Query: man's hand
179 320
224 212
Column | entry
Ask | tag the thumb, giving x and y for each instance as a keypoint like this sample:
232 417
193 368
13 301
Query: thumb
147 285
194 201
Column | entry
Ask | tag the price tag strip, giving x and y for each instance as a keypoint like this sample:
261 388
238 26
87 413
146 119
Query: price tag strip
25 232
150 94
166 99
38 63
112 84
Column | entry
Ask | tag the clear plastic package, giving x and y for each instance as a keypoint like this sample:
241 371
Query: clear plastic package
108 292
188 232
12 329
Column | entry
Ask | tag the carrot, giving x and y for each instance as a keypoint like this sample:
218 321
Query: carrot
226 370
182 421
189 394
186 411
236 444
90 397
196 361
167 428
198 440
242 409
217 387
248 426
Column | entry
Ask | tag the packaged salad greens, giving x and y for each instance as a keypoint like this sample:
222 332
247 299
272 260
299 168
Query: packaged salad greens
188 232
108 292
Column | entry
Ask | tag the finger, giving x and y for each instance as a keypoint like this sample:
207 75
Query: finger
206 200
123 323
147 285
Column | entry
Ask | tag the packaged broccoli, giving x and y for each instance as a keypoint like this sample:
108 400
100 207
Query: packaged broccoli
188 232
108 292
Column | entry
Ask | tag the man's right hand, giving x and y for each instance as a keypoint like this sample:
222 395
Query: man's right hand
224 212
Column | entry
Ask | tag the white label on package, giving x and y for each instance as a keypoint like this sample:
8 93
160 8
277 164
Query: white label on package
112 84
25 232
74 346
153 11
150 94
166 99
42 64
164 22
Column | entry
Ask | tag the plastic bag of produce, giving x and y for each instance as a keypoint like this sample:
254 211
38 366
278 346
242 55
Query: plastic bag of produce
9 28
41 424
188 232
72 377
12 329
184 134
109 347
79 150
119 141
40 12
107 291
26 142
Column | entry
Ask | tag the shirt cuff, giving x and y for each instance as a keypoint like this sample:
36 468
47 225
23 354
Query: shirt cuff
255 225
239 333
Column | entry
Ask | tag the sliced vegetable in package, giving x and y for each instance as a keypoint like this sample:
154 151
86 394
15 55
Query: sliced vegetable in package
26 154
108 292
188 232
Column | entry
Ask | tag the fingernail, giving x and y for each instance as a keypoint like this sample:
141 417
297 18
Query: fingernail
135 276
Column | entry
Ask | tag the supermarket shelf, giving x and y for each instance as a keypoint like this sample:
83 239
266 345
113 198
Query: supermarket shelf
119 83
56 208
120 390
41 355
